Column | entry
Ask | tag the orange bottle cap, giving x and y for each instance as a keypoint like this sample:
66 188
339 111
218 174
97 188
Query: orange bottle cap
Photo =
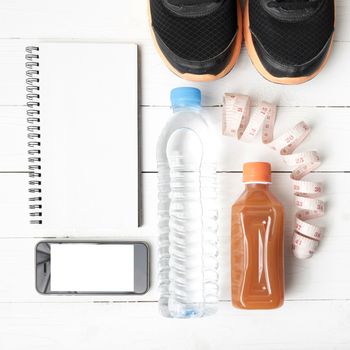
258 172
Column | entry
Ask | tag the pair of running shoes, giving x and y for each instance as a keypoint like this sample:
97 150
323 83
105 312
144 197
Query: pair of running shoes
288 41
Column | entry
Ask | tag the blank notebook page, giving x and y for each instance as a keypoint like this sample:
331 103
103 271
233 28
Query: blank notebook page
89 136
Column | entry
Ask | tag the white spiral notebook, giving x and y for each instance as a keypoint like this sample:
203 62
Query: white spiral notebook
83 135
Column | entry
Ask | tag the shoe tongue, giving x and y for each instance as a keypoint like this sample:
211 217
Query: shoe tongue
190 2
192 8
291 10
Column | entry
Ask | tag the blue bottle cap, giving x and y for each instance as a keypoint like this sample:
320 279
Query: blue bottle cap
185 97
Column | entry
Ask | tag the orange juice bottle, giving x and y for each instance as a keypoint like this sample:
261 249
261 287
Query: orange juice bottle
257 269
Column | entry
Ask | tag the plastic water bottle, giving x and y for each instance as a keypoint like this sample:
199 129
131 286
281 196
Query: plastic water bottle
188 247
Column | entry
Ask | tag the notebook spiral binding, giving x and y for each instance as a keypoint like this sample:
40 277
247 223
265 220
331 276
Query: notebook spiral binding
33 120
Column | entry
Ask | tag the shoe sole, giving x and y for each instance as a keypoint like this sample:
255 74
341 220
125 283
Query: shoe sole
260 67
204 77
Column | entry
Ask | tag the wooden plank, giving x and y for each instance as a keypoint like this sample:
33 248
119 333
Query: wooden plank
329 88
325 276
12 63
337 194
28 319
329 136
110 20
14 203
296 326
13 140
157 81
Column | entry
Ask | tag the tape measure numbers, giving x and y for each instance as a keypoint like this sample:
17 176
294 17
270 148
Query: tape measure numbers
238 123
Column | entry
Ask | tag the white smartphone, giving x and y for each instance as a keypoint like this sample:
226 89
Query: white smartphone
89 267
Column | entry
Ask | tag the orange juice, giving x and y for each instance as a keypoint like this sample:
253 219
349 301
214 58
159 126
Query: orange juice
257 269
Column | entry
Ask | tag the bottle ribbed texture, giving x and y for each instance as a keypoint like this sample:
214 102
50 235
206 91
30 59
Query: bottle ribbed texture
188 247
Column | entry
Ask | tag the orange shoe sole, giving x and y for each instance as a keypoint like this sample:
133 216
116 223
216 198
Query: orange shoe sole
260 67
204 77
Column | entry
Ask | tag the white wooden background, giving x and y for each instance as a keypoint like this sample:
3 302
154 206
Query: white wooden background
316 314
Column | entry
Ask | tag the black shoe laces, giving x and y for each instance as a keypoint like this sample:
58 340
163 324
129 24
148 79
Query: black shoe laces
294 4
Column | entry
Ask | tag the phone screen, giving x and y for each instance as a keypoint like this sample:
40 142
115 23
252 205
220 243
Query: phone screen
83 267
92 267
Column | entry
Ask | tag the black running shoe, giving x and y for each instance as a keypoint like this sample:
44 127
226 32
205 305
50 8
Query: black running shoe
199 40
289 41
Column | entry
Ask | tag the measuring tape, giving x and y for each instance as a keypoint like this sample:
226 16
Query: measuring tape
238 123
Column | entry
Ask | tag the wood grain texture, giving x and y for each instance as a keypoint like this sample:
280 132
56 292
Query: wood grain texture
105 20
329 136
13 140
317 312
329 88
13 191
325 276
65 326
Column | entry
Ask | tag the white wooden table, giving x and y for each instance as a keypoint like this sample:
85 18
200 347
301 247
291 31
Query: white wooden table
316 314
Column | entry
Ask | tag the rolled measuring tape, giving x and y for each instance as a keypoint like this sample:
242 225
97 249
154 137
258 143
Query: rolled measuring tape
238 123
